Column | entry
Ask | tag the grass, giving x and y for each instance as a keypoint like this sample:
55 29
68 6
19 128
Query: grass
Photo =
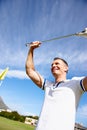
7 124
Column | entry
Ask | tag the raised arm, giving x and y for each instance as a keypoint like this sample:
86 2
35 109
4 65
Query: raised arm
85 83
30 69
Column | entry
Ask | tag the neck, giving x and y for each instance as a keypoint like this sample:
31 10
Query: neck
59 79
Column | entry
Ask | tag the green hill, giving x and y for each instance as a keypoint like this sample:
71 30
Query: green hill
7 124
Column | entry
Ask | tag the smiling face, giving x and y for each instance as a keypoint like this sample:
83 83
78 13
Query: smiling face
59 67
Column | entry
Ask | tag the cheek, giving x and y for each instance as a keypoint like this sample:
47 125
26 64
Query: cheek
51 70
63 69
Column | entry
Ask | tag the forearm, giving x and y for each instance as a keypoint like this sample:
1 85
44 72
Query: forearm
29 61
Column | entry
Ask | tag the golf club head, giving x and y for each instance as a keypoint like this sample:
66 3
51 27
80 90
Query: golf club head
83 33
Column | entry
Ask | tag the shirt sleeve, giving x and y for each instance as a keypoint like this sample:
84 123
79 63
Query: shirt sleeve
80 79
43 85
46 83
82 86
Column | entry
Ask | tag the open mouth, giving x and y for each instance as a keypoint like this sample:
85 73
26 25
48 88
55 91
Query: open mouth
55 69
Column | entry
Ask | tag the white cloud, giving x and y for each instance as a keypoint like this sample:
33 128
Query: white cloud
12 58
78 57
82 111
16 74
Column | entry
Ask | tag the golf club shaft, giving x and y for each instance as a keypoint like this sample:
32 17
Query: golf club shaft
56 38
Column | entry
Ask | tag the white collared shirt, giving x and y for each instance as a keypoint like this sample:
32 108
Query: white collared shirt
60 103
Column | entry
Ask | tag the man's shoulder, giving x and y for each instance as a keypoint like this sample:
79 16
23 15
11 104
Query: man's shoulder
75 78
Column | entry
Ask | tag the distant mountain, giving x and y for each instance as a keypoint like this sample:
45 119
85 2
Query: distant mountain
3 106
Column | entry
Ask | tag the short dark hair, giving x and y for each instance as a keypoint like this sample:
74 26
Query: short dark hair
56 58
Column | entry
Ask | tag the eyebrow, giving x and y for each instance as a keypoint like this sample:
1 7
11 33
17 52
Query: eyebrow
55 63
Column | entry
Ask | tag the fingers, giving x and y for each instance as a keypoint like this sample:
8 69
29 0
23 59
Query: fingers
35 44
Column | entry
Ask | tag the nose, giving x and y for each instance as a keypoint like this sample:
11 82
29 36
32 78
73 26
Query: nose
53 65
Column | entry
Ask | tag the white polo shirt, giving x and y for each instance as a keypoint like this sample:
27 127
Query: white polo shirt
60 103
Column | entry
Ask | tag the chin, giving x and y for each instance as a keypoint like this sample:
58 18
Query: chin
54 74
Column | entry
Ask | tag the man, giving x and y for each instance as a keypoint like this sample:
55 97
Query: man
61 96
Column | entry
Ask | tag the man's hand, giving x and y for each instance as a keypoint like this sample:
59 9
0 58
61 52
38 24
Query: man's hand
35 44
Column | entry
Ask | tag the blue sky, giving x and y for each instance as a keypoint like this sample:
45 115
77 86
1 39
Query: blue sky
24 21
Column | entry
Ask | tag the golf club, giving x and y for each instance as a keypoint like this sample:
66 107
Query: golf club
82 33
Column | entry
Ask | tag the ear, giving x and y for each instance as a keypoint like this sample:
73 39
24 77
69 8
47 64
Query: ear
66 69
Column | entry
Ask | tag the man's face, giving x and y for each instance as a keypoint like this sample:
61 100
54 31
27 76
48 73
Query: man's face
58 67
